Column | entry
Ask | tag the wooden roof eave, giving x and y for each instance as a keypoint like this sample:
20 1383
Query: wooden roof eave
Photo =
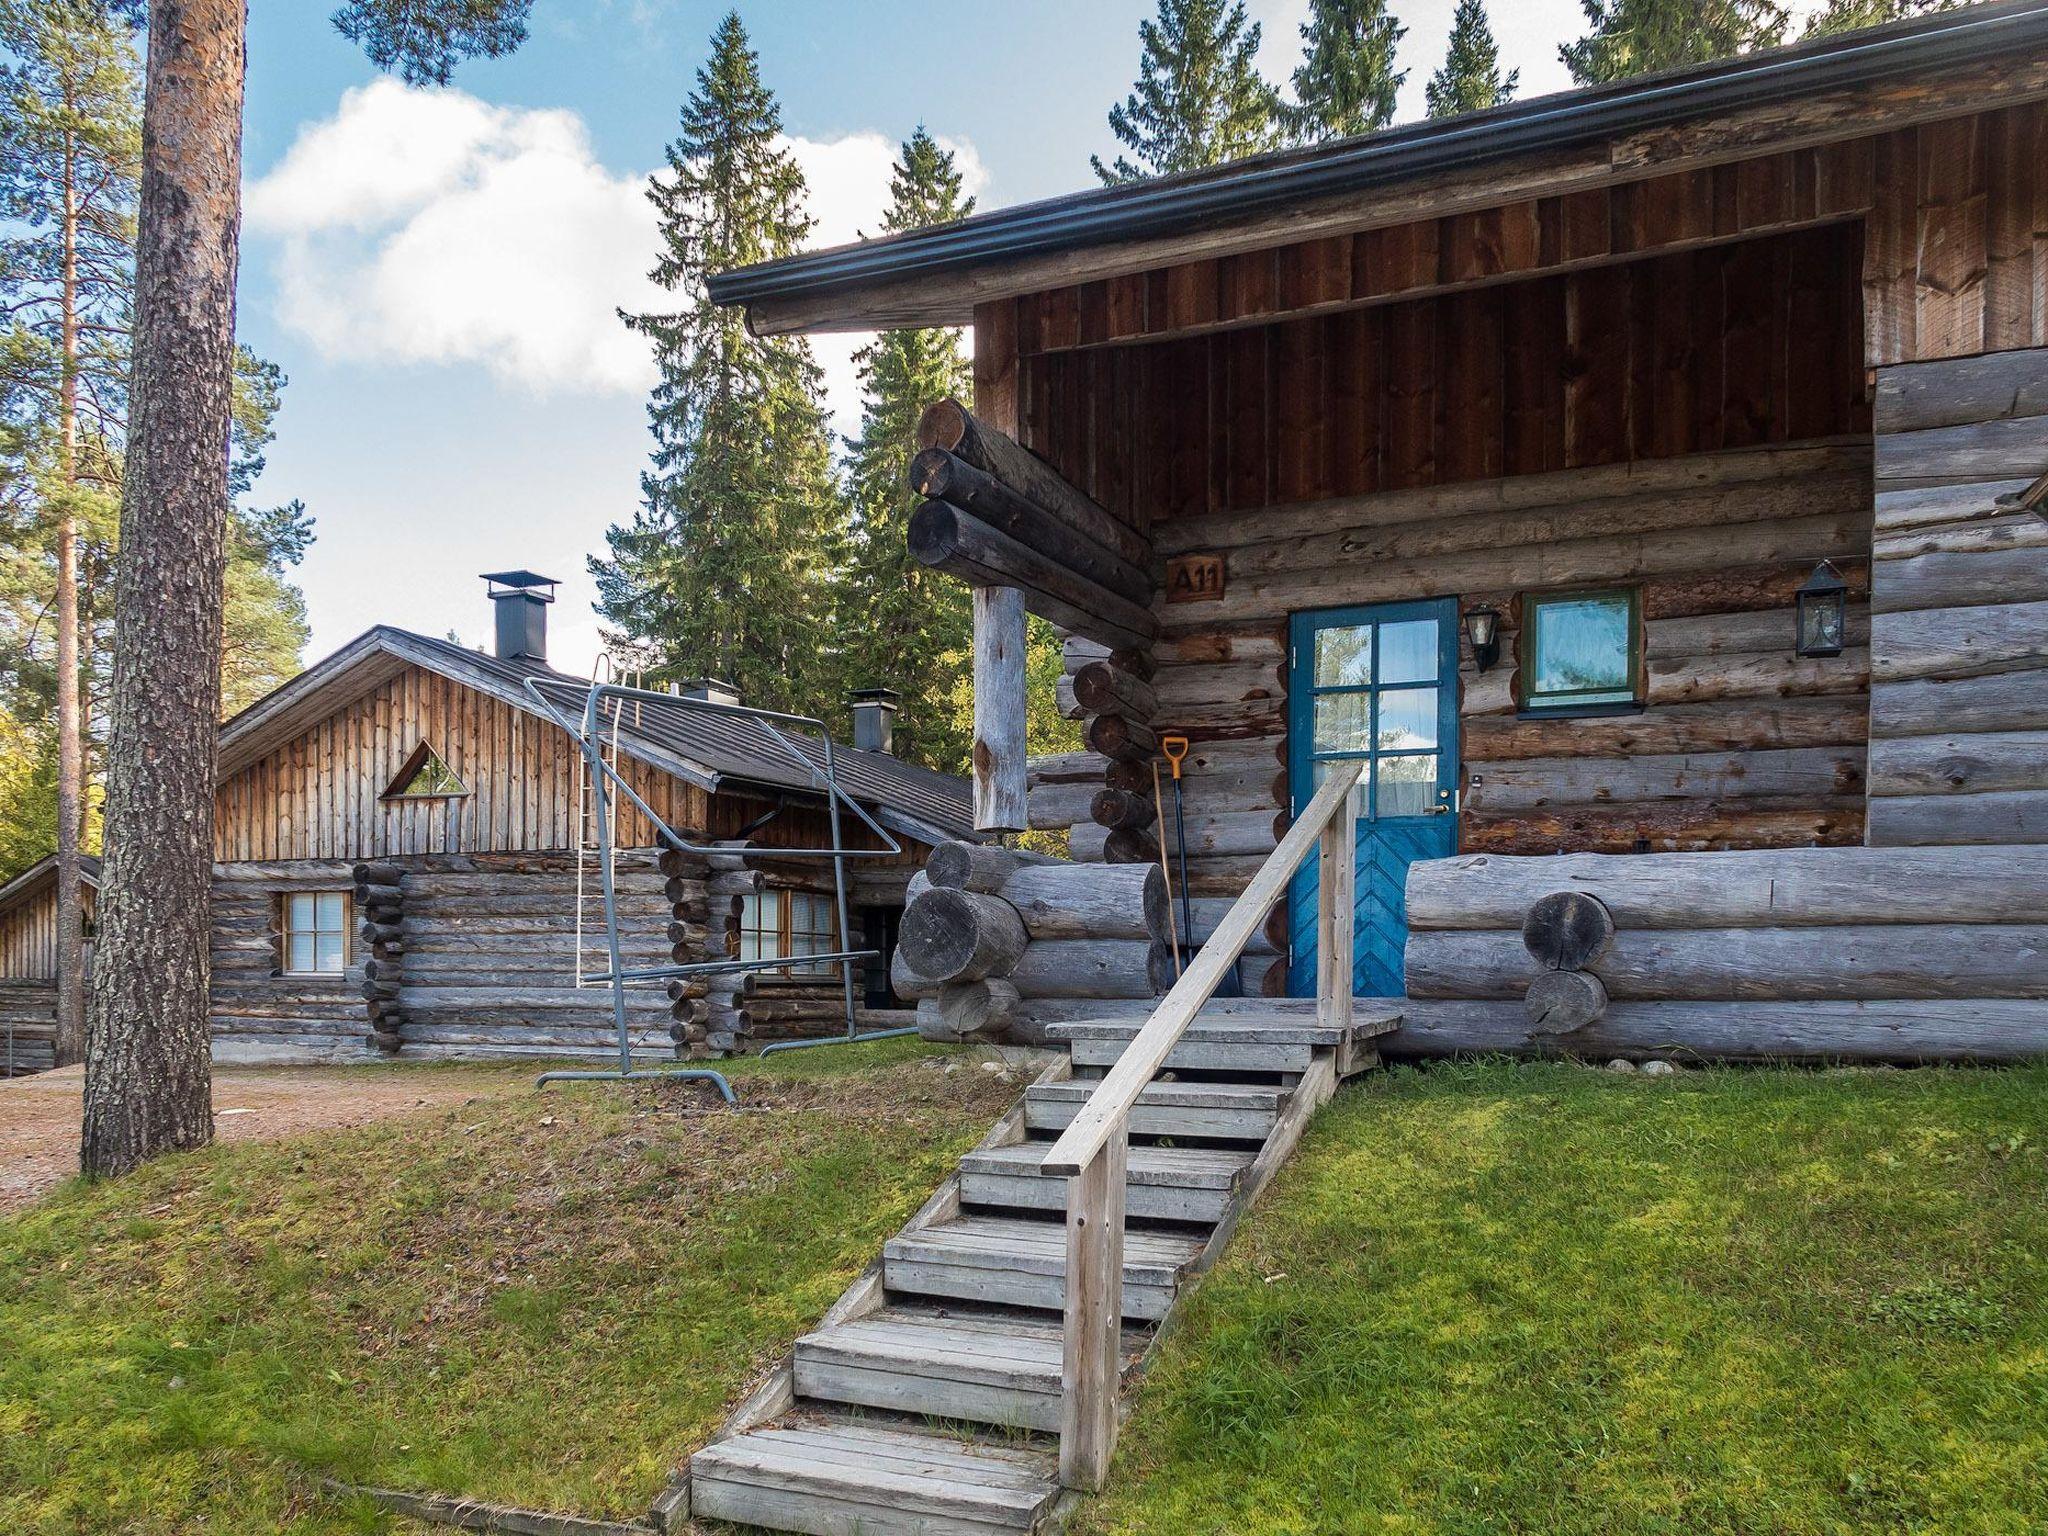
30 883
949 298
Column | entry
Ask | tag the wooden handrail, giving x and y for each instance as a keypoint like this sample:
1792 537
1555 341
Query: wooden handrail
1092 1152
1111 1102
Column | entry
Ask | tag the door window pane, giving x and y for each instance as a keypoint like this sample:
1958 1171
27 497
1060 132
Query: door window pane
1581 650
1342 722
1407 719
1407 785
1408 652
1344 656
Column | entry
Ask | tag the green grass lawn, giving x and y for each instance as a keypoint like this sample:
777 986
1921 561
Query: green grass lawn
538 1299
1548 1299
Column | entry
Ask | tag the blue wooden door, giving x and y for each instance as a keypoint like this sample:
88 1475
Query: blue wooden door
1379 683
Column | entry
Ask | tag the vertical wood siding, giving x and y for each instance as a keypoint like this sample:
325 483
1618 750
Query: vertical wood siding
28 934
1726 347
319 796
1958 256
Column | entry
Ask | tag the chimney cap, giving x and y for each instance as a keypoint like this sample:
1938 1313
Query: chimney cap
709 690
523 581
884 696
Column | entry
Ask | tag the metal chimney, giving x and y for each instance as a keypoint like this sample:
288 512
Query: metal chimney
521 598
874 718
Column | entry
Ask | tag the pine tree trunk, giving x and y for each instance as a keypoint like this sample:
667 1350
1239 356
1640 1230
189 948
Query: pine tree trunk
70 1039
148 1073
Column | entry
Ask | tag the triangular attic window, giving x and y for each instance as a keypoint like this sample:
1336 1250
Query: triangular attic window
425 777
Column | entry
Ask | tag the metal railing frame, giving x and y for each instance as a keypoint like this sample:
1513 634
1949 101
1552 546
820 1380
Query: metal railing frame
588 734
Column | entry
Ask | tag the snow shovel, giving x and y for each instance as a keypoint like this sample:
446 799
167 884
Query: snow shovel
1165 872
1176 750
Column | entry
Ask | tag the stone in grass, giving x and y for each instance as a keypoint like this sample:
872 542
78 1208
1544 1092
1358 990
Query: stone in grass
1621 1064
1658 1069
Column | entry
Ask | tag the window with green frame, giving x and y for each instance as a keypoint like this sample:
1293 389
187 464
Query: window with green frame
1581 650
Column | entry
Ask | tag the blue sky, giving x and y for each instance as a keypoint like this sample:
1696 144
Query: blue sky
436 271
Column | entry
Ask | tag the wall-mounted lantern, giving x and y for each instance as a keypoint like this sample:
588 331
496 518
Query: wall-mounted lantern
1822 616
1482 628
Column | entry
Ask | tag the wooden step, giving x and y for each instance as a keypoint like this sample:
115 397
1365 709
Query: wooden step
1014 1263
1212 1111
1253 1029
1166 1183
846 1477
984 1368
1099 1045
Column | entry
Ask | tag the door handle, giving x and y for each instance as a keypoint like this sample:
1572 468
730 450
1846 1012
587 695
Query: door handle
1438 810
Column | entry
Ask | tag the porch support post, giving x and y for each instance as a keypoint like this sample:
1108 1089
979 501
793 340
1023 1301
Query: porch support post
999 743
1336 906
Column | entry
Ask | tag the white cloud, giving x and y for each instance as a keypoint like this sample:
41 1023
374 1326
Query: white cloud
428 226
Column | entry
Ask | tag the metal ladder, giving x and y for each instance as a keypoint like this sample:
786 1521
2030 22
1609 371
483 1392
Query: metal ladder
604 779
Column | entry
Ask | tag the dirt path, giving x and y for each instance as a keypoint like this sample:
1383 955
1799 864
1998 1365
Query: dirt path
39 1115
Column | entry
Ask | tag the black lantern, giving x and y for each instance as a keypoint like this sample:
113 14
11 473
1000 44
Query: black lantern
1823 612
1482 628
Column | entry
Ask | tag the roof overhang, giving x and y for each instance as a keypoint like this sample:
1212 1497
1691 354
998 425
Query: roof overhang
42 875
1775 99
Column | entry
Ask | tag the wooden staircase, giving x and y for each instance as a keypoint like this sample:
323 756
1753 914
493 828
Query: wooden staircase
929 1400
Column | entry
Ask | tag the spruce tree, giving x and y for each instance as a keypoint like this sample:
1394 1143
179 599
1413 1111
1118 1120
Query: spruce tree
1470 79
1849 15
1347 81
904 625
1199 99
1634 37
723 569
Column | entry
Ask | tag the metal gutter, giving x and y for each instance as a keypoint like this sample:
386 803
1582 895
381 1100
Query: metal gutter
1173 204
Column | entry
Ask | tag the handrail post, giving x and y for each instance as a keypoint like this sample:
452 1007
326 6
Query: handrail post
1336 909
1092 1355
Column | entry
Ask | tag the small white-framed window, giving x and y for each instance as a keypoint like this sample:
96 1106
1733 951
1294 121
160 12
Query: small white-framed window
313 932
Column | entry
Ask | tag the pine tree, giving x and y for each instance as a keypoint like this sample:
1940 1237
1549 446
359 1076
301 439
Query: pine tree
906 626
1199 99
1470 79
70 144
70 164
722 570
1634 37
1347 81
148 1075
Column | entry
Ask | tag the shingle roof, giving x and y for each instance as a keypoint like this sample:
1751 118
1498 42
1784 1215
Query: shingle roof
708 749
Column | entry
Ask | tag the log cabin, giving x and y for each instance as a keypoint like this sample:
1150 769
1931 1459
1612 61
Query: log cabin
1592 552
405 861
28 961
1643 475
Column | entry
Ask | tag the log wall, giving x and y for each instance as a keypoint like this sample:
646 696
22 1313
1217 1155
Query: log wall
258 1014
1959 697
28 1025
1741 744
1920 954
490 960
